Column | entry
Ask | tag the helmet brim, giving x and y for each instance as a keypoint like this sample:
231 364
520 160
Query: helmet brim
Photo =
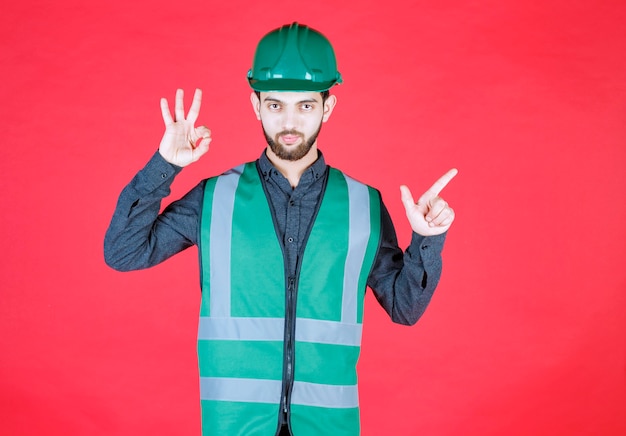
291 85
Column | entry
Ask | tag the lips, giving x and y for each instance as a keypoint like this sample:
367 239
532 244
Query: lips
289 139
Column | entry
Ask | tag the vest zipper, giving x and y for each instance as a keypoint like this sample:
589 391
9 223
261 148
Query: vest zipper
289 348
290 309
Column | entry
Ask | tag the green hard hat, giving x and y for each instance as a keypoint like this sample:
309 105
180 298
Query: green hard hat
294 58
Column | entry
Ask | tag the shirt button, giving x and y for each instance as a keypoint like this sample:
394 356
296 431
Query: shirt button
290 239
164 175
292 203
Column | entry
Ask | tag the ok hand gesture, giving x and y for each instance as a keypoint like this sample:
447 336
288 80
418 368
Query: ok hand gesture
431 215
183 143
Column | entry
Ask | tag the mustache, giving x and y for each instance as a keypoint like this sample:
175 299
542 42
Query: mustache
290 132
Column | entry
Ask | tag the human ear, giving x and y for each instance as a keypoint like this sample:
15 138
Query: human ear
329 105
256 105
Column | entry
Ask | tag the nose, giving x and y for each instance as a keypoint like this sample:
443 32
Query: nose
289 120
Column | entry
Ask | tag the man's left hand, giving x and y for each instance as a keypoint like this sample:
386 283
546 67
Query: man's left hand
431 215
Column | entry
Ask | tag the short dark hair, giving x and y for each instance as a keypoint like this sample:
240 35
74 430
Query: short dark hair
325 95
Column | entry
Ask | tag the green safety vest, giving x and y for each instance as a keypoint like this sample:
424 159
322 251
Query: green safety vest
246 378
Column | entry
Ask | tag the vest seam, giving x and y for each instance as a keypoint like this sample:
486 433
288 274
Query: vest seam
199 233
380 235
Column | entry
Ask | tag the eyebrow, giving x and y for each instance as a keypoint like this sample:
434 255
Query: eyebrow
310 100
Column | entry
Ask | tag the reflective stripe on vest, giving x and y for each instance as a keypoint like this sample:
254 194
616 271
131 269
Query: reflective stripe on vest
272 329
241 326
266 391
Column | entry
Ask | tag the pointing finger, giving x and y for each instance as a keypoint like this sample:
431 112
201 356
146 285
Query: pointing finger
438 186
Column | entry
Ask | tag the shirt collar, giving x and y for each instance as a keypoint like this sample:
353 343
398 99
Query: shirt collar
314 172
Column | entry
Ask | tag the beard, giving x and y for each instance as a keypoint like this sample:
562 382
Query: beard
296 153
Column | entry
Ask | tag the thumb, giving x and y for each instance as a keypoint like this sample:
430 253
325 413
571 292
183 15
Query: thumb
407 198
203 132
201 148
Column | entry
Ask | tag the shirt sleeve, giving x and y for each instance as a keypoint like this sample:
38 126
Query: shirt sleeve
404 283
139 236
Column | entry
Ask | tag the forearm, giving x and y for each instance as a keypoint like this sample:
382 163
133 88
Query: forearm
404 283
138 236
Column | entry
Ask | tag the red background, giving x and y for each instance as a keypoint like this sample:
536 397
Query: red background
526 334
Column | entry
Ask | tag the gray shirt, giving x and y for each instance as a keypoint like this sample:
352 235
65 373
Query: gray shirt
140 237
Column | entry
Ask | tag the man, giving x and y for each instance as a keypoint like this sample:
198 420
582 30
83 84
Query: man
287 247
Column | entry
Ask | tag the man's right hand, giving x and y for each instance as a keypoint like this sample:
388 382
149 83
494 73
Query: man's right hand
182 142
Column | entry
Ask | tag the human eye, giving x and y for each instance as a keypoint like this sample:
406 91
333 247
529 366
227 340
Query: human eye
273 106
306 107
